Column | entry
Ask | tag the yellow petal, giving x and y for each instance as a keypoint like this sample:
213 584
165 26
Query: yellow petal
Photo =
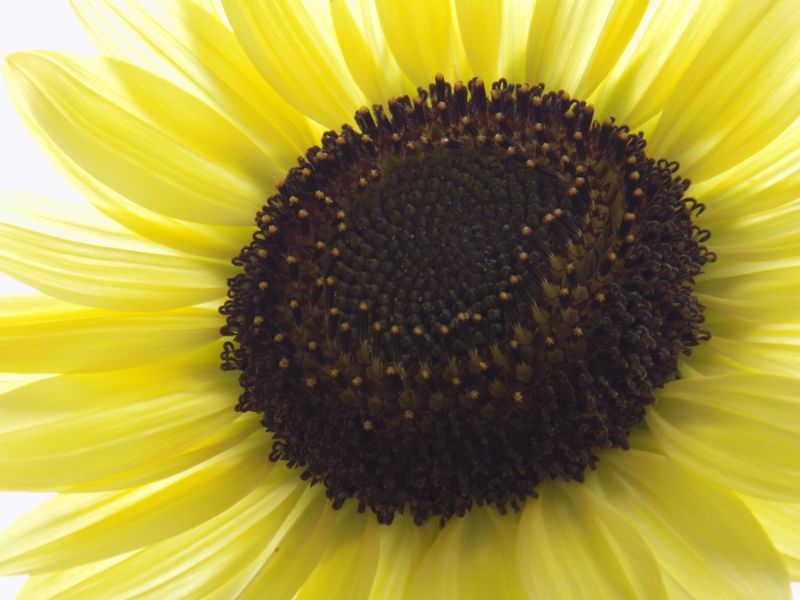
182 42
573 45
49 585
767 236
768 180
738 95
210 559
782 522
741 431
72 529
402 546
64 252
143 136
214 241
513 40
753 308
12 381
771 348
481 26
726 272
704 539
77 219
419 32
294 46
218 441
293 552
570 545
366 52
50 399
213 7
757 293
71 429
669 40
470 560
354 551
42 335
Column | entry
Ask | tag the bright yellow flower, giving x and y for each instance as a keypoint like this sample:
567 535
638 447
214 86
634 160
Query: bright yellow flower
447 375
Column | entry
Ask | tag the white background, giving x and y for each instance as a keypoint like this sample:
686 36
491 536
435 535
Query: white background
28 24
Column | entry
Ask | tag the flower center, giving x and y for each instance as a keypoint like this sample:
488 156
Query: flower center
472 294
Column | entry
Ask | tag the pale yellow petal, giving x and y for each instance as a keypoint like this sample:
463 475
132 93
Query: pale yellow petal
77 219
214 7
760 237
671 36
740 430
768 348
12 381
223 438
294 551
63 251
572 45
704 539
207 560
515 29
71 429
53 398
42 335
182 42
738 95
571 545
72 529
420 35
481 26
471 559
402 546
726 272
143 136
353 550
750 291
49 585
214 241
293 44
755 294
622 20
364 48
782 522
768 180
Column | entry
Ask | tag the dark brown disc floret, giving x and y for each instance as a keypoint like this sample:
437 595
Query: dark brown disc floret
470 293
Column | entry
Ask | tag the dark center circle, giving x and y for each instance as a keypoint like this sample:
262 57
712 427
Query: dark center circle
441 236
470 295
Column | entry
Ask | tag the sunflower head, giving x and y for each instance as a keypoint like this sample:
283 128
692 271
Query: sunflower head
473 292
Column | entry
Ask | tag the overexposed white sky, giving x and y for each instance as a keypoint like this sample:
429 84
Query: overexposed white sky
26 25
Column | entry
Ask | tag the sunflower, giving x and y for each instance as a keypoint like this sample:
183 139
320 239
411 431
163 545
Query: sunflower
525 328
